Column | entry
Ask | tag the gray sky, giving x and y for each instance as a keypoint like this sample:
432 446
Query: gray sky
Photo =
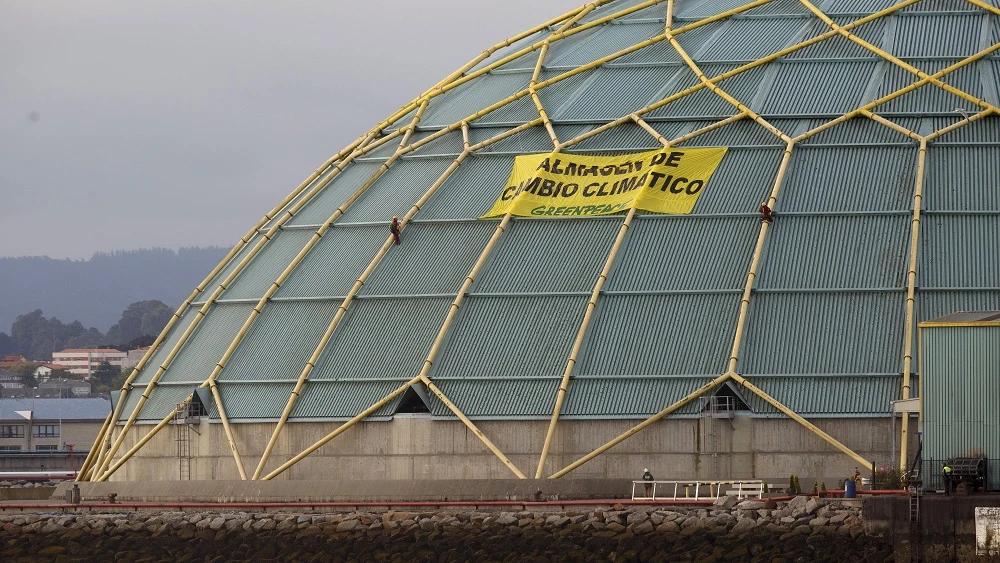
180 123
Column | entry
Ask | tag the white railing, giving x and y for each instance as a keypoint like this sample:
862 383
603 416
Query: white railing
696 490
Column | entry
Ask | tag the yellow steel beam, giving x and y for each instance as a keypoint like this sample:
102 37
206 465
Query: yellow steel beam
229 431
468 423
311 364
638 427
94 453
795 416
343 427
895 60
599 286
211 301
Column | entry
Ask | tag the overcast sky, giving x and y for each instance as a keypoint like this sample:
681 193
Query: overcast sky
180 123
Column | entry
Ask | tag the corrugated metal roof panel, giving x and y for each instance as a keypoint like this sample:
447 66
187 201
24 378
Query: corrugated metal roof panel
493 337
67 410
930 98
860 130
628 135
931 304
344 399
614 92
335 263
960 396
920 36
704 9
449 143
465 100
770 35
567 255
849 179
395 192
813 252
837 46
778 7
844 83
162 401
250 401
228 269
856 6
269 263
628 397
968 317
959 251
809 394
206 345
512 48
943 6
951 173
524 109
984 130
824 333
431 259
659 335
743 179
705 103
471 190
497 398
534 139
618 7
280 341
382 338
663 52
741 133
322 206
168 344
610 38
689 253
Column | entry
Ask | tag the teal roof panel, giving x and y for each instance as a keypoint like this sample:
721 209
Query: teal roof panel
497 398
395 192
663 253
208 343
280 341
268 264
819 395
321 207
571 251
492 337
162 402
432 258
678 334
382 338
832 333
959 251
836 252
629 398
849 179
323 400
952 170
335 263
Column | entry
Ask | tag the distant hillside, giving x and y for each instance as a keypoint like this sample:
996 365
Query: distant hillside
96 291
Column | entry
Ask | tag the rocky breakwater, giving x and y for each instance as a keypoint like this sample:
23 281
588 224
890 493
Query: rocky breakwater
750 531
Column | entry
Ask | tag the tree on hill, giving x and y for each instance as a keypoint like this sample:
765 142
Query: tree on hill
6 344
142 318
37 337
102 378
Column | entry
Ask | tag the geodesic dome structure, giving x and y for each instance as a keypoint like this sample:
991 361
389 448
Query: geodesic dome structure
868 126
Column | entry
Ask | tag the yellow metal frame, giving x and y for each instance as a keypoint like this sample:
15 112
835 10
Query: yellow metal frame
97 462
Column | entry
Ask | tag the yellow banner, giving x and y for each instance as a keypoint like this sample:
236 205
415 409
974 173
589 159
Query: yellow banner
561 185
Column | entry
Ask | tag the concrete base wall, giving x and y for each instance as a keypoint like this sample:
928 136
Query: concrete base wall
419 448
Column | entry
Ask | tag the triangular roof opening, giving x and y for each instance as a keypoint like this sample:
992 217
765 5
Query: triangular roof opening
414 401
726 399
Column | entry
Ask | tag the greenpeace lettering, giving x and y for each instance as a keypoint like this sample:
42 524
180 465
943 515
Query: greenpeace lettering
570 185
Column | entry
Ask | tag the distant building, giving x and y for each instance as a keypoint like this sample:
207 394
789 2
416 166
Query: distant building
44 371
10 381
83 361
7 362
63 388
48 427
134 357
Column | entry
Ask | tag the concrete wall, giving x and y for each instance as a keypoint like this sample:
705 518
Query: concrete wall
421 448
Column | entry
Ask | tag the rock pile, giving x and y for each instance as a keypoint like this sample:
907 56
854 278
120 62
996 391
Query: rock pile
802 530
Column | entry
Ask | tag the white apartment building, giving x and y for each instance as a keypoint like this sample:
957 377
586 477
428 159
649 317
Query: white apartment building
83 361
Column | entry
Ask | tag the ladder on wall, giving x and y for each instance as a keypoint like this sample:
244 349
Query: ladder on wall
916 538
183 442
718 406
